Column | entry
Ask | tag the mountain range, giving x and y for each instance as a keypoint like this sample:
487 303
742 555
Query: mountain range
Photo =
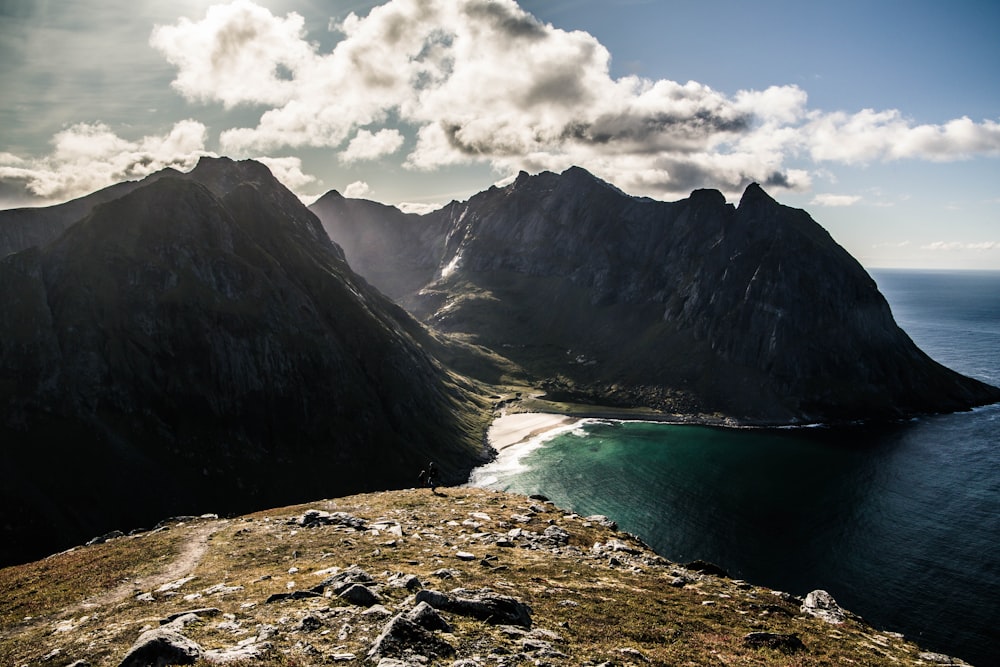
750 313
204 342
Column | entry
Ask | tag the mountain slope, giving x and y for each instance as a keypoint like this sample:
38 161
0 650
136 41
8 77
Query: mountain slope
752 312
201 342
399 575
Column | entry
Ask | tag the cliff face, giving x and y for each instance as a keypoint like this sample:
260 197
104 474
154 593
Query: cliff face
201 341
752 312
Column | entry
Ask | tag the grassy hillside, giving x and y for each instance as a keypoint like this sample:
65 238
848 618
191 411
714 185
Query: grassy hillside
264 589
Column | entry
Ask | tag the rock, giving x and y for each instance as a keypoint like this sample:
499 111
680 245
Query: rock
342 581
633 654
104 538
556 535
602 520
294 595
707 568
313 518
483 604
776 641
940 659
821 604
401 637
360 595
203 611
309 623
465 555
161 647
428 618
244 653
408 581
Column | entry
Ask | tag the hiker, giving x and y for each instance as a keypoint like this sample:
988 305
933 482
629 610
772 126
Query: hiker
429 477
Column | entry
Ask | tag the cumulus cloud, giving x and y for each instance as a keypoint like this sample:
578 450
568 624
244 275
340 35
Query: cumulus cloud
368 146
357 190
828 199
288 170
90 156
483 81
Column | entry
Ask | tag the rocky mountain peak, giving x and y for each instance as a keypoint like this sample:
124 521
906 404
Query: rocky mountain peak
753 312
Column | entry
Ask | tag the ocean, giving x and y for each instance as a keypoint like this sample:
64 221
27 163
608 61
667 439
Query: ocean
899 522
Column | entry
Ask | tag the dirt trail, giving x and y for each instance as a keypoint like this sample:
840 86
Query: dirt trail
191 552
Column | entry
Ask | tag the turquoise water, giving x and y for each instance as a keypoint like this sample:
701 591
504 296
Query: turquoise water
901 523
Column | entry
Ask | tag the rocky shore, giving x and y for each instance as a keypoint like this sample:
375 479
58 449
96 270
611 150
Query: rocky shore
464 577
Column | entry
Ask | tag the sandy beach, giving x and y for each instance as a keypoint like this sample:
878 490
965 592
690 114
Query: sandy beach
510 430
515 435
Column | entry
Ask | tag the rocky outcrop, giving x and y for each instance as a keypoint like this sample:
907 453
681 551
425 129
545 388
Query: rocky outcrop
204 332
752 312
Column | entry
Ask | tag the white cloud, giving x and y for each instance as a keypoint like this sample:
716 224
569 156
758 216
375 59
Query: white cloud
418 208
827 199
483 81
87 157
288 170
962 245
357 190
368 146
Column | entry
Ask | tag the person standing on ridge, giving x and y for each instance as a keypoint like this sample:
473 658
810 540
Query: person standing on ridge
429 477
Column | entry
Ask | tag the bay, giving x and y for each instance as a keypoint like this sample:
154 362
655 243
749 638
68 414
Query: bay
900 522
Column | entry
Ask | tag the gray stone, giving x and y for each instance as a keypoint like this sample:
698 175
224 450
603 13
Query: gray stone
160 647
484 605
360 595
428 618
821 604
556 534
402 637
204 611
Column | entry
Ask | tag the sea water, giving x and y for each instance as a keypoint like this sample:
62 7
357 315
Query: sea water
899 522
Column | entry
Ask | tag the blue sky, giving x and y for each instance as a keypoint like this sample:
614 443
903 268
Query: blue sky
882 119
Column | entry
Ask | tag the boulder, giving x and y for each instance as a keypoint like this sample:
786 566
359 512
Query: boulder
401 637
160 647
360 595
484 605
821 604
428 618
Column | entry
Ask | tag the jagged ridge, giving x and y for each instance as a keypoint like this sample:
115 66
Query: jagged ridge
695 306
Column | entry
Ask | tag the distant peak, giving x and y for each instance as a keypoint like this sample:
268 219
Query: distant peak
755 194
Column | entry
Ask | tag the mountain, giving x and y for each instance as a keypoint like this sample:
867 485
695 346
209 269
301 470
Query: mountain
22 228
201 343
749 313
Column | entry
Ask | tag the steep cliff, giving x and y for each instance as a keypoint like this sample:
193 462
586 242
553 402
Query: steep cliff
200 341
750 312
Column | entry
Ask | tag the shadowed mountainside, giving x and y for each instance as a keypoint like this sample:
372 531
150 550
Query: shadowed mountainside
751 313
200 342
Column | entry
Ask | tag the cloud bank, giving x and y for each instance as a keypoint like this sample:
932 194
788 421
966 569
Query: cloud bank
431 84
477 81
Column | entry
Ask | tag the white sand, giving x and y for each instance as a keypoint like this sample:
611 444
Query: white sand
515 435
510 430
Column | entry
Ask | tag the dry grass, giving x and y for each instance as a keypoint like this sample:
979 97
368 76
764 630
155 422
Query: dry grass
599 610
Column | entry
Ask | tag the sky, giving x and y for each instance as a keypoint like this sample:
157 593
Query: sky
879 117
